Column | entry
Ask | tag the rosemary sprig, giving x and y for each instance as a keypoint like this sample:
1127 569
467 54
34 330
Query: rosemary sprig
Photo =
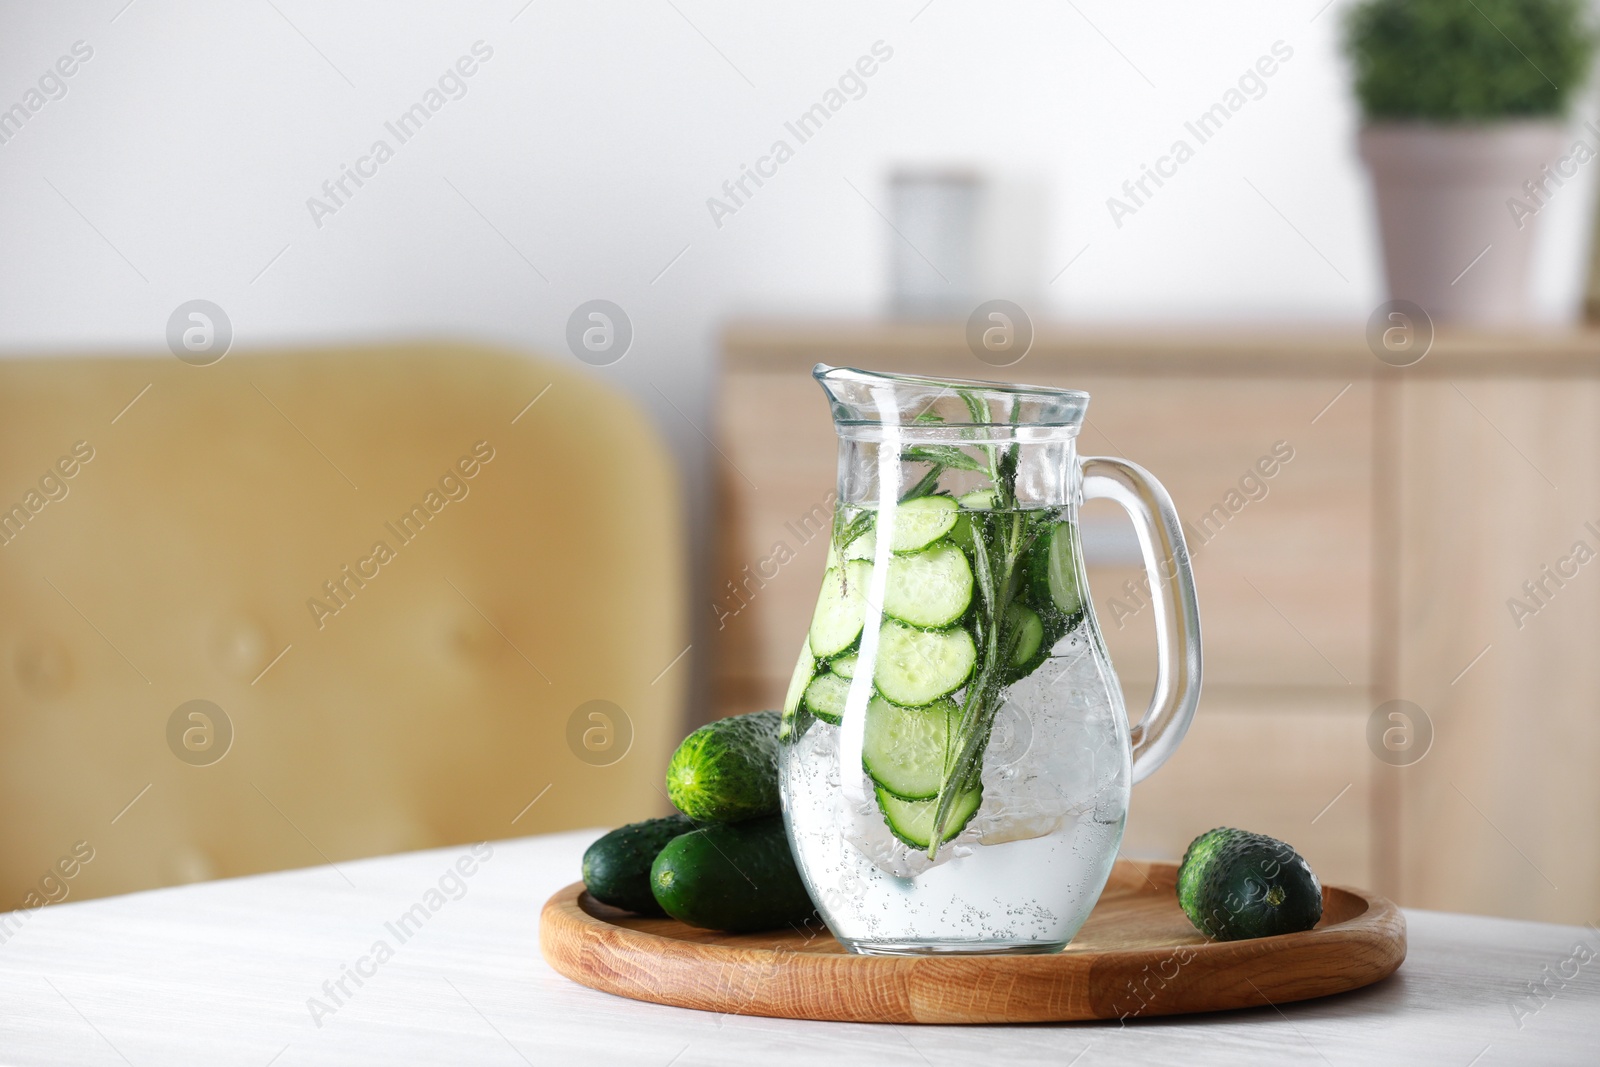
942 455
1000 537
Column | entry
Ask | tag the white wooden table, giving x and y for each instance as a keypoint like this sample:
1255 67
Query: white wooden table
226 972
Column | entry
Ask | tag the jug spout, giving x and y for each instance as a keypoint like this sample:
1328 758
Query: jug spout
874 398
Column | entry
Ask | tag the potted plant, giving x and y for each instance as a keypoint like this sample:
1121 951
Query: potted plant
1464 101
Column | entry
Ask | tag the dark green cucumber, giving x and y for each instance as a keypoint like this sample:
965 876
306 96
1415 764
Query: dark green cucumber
616 868
739 877
1196 859
1235 885
727 770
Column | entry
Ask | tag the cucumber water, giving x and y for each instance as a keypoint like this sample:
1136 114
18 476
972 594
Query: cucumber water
978 605
973 597
954 758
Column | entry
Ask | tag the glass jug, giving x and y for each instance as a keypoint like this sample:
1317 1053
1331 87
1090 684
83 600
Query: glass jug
955 756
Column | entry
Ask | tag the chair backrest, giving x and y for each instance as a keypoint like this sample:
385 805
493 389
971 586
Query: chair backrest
396 575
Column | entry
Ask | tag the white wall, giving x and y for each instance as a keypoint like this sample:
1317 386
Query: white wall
594 136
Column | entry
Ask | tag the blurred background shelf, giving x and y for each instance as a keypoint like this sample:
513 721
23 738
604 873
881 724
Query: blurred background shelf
1475 468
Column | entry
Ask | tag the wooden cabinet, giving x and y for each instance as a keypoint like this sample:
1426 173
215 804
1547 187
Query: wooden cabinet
1404 508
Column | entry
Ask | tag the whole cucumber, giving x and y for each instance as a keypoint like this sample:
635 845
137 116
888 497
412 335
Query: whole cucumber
616 868
727 770
738 877
1235 885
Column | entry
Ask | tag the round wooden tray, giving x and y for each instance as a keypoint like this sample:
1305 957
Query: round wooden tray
1137 956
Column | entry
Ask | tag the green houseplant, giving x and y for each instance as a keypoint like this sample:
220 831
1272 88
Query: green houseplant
1464 102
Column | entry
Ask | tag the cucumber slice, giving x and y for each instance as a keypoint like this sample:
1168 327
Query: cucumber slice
1055 570
904 749
844 666
977 500
862 547
912 820
841 607
1028 629
931 588
917 667
961 534
920 522
825 697
804 668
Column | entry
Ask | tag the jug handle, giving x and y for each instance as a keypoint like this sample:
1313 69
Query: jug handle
1166 564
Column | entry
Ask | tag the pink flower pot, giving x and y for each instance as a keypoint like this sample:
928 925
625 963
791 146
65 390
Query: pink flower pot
1455 240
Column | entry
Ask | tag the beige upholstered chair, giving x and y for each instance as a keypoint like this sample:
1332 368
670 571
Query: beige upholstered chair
173 533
